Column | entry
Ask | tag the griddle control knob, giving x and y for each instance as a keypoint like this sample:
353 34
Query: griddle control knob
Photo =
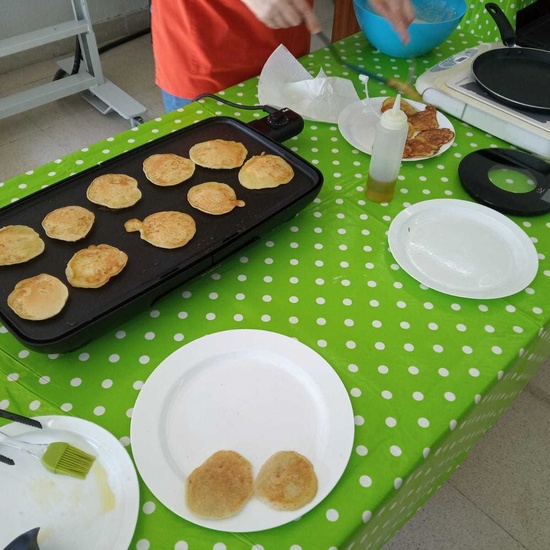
279 125
278 119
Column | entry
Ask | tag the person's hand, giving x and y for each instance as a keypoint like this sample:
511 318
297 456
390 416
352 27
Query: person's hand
280 14
399 13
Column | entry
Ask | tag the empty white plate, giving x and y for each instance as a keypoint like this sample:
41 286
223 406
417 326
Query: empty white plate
463 249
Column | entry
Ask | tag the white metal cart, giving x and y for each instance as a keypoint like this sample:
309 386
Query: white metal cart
88 80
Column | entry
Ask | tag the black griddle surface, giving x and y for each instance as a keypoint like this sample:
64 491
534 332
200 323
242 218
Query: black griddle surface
151 272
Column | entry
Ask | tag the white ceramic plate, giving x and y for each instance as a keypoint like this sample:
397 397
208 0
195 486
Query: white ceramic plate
463 249
357 123
251 391
95 513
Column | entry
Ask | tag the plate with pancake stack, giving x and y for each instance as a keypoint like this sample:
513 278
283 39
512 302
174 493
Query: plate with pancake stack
167 211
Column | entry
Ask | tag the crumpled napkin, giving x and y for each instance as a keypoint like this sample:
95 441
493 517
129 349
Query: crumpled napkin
284 82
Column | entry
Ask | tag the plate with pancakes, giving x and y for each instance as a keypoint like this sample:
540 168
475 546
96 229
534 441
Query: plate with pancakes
431 133
237 411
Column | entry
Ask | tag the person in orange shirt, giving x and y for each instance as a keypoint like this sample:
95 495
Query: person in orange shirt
204 46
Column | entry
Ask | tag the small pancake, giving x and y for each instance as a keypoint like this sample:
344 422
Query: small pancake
220 486
265 171
287 481
213 198
19 244
164 229
218 154
38 298
419 147
168 169
69 223
114 191
425 120
92 267
437 136
404 105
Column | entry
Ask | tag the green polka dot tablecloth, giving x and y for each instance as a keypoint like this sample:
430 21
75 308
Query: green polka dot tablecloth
427 373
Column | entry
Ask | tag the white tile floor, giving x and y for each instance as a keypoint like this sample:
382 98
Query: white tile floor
499 499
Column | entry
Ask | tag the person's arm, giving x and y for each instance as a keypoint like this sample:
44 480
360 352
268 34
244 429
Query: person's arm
280 14
400 14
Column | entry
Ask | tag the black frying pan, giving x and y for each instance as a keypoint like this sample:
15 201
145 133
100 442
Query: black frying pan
516 76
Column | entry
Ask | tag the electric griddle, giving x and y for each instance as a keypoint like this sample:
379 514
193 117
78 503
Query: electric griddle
152 272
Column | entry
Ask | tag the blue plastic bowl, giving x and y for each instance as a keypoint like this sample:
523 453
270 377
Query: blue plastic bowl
435 21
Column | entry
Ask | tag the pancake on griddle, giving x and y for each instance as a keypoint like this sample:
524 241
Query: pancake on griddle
220 486
69 223
19 244
287 481
218 154
265 171
213 198
37 298
114 191
168 169
92 267
164 229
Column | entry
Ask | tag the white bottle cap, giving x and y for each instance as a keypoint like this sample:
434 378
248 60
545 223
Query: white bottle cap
394 118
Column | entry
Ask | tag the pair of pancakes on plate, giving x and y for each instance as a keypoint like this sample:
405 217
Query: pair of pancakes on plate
223 484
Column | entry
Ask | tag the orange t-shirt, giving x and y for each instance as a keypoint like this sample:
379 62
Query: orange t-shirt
204 46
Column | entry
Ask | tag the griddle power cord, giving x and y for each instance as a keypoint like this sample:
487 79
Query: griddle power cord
265 108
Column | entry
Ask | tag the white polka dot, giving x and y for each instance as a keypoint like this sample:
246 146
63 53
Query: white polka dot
386 394
367 515
413 370
13 377
423 422
143 544
355 392
474 372
182 545
332 515
75 382
382 369
219 546
144 359
359 420
391 422
83 356
107 383
353 368
114 358
395 450
450 396
496 350
365 481
418 396
361 450
137 385
397 482
99 411
34 405
149 507
44 380
66 407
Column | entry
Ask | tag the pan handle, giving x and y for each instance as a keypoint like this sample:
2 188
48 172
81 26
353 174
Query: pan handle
507 32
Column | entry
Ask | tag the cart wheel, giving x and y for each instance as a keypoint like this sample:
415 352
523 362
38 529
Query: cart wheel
136 121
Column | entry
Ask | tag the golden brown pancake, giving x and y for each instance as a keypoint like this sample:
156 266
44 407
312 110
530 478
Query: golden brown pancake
218 154
437 136
38 298
114 191
168 169
213 198
287 481
418 147
425 120
404 105
92 267
18 244
164 229
265 171
69 223
220 486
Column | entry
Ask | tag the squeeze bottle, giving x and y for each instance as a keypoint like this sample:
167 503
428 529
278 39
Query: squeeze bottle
387 153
